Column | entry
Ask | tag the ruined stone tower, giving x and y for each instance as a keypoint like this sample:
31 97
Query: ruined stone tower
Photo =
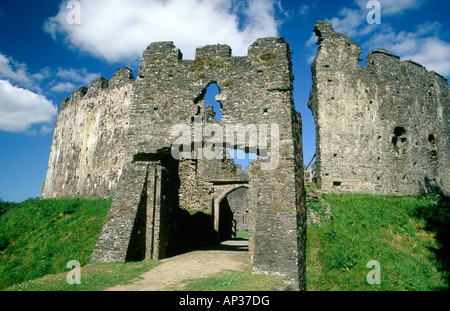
383 128
148 144
87 152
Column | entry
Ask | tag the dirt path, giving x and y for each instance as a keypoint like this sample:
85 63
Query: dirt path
231 255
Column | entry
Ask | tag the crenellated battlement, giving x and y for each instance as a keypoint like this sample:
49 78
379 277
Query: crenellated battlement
120 78
217 51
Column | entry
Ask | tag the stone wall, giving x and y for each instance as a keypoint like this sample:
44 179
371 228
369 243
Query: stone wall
238 202
169 92
383 128
87 151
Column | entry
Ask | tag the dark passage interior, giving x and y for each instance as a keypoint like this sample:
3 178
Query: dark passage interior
227 225
161 227
136 247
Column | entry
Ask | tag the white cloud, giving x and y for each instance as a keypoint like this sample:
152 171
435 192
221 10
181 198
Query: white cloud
434 54
16 72
421 44
42 75
45 130
63 87
21 108
304 9
350 21
66 79
118 30
22 104
353 22
393 7
76 75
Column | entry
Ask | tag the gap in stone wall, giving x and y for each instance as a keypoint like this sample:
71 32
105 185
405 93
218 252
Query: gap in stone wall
399 140
210 99
242 158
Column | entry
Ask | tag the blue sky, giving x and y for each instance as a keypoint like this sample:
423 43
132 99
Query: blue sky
46 53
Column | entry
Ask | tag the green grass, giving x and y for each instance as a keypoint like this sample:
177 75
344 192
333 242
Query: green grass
367 227
409 236
242 234
231 280
92 277
39 237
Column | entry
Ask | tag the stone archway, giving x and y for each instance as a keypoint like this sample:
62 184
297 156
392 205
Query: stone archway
220 194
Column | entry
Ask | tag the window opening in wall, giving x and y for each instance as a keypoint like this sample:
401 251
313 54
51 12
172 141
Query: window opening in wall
433 148
210 99
399 140
242 158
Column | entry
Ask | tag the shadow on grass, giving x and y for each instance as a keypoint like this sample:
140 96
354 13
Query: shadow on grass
437 218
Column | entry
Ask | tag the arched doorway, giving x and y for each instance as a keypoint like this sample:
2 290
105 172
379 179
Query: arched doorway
227 228
232 211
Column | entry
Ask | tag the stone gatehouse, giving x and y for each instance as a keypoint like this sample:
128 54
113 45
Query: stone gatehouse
147 142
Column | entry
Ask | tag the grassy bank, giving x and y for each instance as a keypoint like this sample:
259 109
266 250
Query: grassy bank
96 277
408 236
395 231
39 237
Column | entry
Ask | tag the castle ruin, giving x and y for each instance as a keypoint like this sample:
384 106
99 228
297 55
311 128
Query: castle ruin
126 138
156 147
381 129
